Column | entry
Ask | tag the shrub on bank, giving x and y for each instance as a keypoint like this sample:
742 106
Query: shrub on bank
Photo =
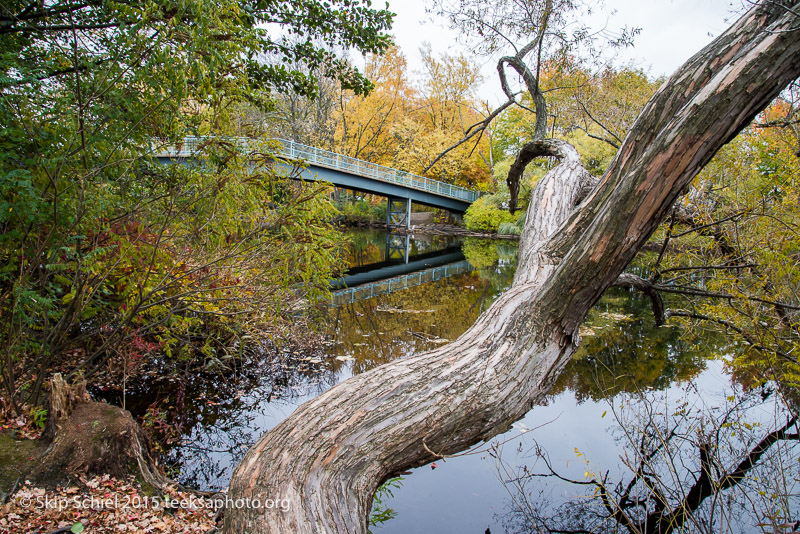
361 211
487 214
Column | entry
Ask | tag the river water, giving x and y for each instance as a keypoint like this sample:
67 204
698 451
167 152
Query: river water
417 293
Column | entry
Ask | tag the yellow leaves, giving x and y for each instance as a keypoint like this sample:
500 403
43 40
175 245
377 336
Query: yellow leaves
742 244
449 78
404 127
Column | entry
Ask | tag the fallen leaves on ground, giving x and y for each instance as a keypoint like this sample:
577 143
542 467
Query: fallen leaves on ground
22 426
104 505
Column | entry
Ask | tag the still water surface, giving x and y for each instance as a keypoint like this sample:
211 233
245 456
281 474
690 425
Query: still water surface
432 303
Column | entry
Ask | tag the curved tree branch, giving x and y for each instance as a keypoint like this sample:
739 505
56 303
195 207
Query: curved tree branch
471 132
532 84
538 149
331 454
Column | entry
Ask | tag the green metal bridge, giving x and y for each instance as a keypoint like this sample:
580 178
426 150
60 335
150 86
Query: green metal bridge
399 187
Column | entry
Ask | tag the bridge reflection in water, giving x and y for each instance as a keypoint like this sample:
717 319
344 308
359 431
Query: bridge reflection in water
399 271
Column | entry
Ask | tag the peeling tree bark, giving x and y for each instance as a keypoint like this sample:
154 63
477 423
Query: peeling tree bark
330 455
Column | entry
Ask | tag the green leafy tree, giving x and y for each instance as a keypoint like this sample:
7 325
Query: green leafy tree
107 255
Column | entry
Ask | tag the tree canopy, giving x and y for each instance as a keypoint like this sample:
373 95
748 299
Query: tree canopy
105 255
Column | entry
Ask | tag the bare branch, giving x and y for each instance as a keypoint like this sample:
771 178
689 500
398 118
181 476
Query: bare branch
631 281
778 123
471 132
601 125
704 487
599 138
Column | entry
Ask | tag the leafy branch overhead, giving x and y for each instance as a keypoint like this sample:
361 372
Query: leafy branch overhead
108 256
251 41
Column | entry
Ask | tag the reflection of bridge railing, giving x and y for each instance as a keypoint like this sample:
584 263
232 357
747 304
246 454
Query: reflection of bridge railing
324 158
383 287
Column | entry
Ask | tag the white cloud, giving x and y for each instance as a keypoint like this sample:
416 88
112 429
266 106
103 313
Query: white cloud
672 31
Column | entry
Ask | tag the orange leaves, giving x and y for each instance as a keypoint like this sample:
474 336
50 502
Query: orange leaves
406 125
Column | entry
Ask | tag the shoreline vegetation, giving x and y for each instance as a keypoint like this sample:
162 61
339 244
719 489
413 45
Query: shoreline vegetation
118 271
488 217
442 229
29 488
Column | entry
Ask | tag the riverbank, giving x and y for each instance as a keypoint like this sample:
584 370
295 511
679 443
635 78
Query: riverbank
167 403
105 505
449 229
442 229
89 504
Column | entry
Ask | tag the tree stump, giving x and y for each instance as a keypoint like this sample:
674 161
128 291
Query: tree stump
88 438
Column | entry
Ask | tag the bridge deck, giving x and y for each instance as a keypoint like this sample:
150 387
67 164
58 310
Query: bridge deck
325 159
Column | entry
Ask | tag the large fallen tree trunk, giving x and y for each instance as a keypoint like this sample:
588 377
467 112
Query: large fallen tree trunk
329 456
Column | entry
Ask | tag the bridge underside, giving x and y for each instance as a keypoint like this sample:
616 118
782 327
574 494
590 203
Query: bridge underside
341 297
398 271
399 196
388 269
386 189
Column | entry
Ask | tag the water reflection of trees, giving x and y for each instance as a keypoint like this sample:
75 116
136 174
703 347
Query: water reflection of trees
623 350
204 422
378 330
368 246
690 459
245 407
696 464
365 247
395 325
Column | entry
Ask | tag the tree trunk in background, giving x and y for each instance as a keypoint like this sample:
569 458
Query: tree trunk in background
330 455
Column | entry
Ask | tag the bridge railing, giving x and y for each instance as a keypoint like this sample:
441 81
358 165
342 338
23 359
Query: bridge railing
390 285
325 158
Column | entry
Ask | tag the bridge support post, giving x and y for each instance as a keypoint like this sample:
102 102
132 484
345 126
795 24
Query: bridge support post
398 247
398 212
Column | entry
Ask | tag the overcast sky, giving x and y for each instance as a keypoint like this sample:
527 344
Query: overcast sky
672 31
